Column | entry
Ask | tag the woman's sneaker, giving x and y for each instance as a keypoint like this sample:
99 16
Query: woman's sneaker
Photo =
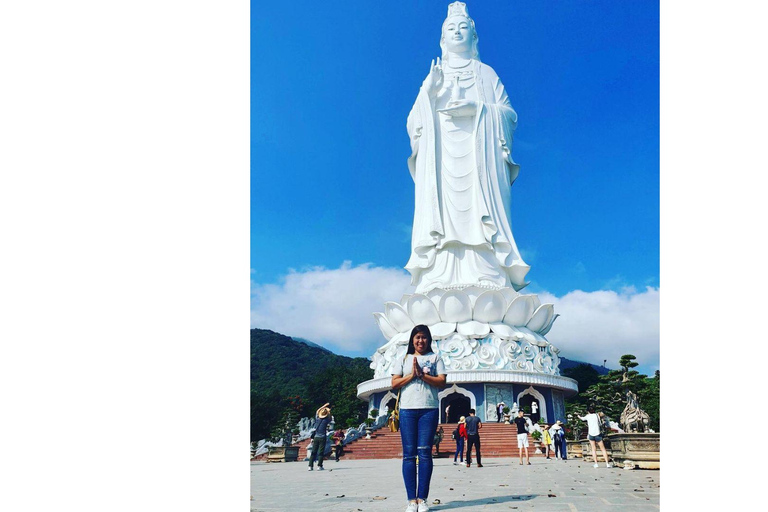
423 507
412 507
596 465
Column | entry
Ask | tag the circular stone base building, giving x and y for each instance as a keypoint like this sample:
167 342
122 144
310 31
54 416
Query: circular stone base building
493 346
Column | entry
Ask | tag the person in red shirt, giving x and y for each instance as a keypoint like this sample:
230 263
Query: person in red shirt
461 436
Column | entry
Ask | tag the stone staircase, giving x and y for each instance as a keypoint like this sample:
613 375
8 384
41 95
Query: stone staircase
496 439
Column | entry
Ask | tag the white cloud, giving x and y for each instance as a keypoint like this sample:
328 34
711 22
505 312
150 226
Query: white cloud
334 308
331 307
606 325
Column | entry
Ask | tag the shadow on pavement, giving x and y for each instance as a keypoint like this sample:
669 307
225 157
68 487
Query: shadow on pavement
483 501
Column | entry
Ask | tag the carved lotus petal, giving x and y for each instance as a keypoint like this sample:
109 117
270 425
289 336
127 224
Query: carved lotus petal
473 292
533 338
402 338
473 328
386 328
398 317
422 310
404 299
509 294
442 329
455 307
536 301
434 295
489 307
519 311
541 317
505 330
527 336
547 327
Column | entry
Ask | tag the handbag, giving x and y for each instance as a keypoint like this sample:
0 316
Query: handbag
394 419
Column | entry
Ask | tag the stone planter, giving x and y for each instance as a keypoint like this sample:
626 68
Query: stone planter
573 448
636 450
506 419
283 454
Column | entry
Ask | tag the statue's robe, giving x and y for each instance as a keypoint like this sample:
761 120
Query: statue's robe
463 171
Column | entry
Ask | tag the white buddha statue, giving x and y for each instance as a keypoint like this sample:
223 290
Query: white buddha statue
461 130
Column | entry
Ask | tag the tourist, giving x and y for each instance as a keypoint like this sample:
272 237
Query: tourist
553 434
420 375
460 434
500 411
338 438
473 437
558 435
546 440
447 413
438 439
522 436
534 411
322 420
594 435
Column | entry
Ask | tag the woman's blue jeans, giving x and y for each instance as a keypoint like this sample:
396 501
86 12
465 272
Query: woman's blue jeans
459 449
417 432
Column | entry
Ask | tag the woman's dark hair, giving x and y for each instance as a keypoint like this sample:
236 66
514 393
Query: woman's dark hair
591 408
419 329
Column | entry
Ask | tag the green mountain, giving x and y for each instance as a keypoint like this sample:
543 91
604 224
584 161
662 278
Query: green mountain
290 379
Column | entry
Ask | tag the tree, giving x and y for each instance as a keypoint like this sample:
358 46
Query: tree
610 391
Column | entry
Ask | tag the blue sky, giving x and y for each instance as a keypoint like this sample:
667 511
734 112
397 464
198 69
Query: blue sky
332 85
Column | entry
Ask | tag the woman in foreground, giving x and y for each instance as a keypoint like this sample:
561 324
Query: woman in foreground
420 375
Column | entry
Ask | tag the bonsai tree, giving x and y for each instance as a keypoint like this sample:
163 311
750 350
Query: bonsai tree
374 413
369 422
536 435
506 409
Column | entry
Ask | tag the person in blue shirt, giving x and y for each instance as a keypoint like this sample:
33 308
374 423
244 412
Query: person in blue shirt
322 420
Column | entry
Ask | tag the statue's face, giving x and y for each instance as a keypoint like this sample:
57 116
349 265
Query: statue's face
458 34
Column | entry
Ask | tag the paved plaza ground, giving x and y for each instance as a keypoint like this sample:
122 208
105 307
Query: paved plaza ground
501 484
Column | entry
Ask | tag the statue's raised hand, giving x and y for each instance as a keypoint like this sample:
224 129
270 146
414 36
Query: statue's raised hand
434 79
460 108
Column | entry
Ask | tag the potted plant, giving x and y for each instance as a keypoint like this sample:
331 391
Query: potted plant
506 410
536 436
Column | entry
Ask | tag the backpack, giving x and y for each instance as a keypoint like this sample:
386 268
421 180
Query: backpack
455 434
605 428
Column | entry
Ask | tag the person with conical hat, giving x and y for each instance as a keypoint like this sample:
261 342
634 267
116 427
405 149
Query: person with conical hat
322 420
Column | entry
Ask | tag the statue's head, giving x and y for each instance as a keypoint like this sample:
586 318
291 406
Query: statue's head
458 34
